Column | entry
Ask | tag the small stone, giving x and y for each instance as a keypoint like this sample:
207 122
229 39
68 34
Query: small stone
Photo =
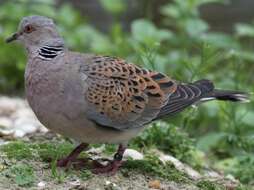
230 177
155 184
107 182
3 142
41 184
23 112
135 155
212 174
6 132
111 186
75 182
19 133
7 105
26 125
180 166
96 151
5 123
2 167
43 129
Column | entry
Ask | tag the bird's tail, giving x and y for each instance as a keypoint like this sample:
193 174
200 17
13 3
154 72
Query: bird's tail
198 92
228 95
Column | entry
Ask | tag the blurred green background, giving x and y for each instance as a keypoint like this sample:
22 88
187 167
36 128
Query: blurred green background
186 39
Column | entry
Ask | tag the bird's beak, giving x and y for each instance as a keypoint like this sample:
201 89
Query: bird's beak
12 38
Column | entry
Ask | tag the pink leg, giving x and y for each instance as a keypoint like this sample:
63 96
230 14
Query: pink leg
112 167
72 156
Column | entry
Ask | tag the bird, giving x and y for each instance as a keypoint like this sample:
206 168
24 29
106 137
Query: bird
100 99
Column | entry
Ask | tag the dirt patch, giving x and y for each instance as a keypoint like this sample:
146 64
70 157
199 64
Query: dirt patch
25 165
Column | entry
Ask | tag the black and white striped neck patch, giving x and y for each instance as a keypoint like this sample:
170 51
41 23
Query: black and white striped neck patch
50 52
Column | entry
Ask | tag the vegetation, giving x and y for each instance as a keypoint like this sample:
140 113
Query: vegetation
220 135
26 172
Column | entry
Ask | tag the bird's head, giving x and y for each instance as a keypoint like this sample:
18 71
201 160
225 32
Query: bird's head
36 31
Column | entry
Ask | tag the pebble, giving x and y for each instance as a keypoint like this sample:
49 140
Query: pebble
212 174
155 184
135 155
41 184
96 151
180 166
17 119
7 105
5 123
6 132
75 182
25 124
19 133
111 186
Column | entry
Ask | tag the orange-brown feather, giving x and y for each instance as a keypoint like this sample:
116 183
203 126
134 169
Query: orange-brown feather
123 91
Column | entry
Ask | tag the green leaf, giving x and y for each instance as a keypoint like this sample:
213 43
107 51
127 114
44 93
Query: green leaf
114 6
248 118
209 140
219 40
196 27
22 174
244 30
145 31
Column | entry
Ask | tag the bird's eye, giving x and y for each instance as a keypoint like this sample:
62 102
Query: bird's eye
28 29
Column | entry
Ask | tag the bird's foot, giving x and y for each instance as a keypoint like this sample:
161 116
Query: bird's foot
62 162
110 169
77 163
72 157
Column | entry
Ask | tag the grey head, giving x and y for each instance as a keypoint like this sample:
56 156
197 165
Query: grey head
35 32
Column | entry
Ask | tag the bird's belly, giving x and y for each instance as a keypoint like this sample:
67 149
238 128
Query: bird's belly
65 114
78 127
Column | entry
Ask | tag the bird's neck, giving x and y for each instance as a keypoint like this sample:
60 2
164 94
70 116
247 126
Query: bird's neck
48 52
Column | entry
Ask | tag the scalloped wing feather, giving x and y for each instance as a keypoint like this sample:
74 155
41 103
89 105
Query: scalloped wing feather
121 95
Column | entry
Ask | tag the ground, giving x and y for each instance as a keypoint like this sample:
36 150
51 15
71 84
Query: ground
30 164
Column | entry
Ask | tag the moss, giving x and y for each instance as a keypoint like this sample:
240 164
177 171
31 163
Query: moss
21 174
110 149
242 167
51 150
17 150
244 187
209 185
170 139
46 151
152 165
85 174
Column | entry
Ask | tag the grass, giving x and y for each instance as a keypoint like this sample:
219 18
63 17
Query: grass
17 150
171 140
23 160
208 185
20 159
46 151
152 165
20 150
21 174
57 174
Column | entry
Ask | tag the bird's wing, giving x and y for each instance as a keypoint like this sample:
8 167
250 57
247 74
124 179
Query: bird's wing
121 95
186 95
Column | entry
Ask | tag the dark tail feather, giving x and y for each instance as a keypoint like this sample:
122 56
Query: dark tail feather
227 95
198 92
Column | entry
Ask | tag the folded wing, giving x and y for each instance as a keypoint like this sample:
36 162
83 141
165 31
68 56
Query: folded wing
122 95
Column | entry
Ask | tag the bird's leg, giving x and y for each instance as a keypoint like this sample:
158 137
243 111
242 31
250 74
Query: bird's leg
112 167
72 156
